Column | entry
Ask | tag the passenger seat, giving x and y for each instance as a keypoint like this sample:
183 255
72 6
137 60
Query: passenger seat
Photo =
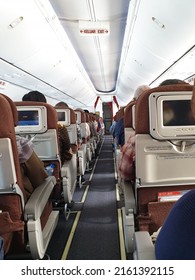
27 225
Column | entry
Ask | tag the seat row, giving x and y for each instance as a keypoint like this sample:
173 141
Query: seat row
27 223
163 127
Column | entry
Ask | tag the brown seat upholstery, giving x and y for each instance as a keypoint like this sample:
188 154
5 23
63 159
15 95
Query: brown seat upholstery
128 120
153 175
39 146
22 222
47 147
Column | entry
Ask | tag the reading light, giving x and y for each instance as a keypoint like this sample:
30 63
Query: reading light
14 23
160 24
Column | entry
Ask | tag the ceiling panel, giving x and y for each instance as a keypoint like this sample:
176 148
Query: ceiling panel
42 48
101 58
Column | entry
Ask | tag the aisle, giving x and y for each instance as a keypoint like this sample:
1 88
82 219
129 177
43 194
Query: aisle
96 236
92 232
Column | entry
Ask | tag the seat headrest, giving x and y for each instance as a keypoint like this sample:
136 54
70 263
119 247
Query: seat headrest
72 115
120 114
142 105
13 108
52 118
128 122
83 117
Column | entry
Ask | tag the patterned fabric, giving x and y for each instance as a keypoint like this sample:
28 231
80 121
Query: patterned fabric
126 168
25 148
65 147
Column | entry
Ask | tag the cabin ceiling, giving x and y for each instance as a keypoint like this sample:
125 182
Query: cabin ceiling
100 54
76 50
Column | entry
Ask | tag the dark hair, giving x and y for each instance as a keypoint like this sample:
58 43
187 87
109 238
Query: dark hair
34 96
172 82
61 104
86 111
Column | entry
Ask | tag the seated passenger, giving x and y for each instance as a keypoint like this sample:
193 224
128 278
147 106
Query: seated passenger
1 248
79 138
112 127
65 147
127 158
175 240
126 166
119 133
32 168
94 125
172 82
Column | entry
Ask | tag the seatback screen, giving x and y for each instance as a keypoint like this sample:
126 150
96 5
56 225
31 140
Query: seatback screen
61 116
177 113
28 118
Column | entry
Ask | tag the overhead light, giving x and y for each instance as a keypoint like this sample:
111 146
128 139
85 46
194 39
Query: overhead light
55 25
131 19
160 24
15 22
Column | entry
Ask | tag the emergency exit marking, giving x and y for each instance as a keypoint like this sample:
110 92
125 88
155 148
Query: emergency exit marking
94 31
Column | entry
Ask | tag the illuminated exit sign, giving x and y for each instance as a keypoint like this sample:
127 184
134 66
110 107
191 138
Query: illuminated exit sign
91 28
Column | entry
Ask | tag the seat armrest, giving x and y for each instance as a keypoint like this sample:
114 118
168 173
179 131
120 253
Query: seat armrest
39 198
144 248
129 195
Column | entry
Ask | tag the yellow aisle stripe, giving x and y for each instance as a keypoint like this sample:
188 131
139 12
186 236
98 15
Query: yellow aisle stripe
85 194
71 235
121 236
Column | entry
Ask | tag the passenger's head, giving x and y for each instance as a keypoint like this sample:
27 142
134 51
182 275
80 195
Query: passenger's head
140 90
34 96
79 109
62 104
172 82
